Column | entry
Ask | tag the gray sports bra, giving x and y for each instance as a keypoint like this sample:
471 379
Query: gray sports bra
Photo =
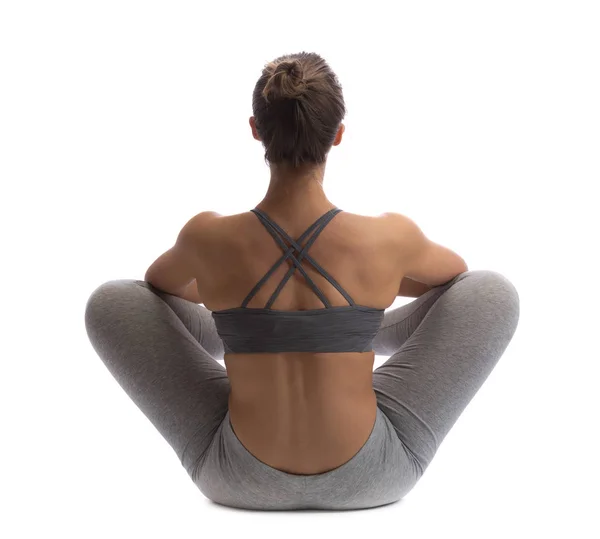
350 328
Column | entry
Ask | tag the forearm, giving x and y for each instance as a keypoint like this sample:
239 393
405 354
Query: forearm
412 289
191 293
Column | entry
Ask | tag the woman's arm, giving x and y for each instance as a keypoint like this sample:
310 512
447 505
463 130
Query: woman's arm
412 289
191 293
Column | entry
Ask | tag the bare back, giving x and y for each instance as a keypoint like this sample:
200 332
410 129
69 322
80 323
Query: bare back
300 412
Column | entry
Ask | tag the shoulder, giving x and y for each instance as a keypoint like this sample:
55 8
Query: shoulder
203 220
395 222
206 216
199 226
397 229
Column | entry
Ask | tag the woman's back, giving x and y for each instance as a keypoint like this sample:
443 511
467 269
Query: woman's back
300 412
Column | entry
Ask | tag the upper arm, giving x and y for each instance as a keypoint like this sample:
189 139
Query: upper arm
175 269
424 260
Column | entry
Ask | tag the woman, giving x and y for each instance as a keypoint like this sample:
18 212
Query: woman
292 295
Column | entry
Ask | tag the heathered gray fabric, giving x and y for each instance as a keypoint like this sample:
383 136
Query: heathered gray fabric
442 346
348 328
338 329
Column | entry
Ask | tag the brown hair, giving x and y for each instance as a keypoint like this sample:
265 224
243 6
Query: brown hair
298 106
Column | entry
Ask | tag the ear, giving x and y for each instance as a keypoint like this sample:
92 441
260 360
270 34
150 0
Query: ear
253 126
338 137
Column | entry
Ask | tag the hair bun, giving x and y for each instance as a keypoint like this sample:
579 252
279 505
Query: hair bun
286 82
291 68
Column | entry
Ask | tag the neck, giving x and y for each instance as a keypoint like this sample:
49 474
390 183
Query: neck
296 189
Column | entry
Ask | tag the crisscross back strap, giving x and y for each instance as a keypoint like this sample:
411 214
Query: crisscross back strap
276 231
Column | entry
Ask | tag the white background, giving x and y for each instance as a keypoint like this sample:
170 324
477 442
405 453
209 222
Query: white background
120 120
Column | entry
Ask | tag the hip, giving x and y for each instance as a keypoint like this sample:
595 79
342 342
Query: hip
381 472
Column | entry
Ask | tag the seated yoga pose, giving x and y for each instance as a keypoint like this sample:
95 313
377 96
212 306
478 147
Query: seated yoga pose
293 296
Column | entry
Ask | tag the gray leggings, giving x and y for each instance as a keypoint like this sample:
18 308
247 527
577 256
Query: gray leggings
442 346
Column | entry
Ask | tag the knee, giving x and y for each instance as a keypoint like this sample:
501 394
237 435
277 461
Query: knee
110 290
496 290
110 296
494 280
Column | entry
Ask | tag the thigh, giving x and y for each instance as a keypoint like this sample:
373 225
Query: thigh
442 348
152 344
